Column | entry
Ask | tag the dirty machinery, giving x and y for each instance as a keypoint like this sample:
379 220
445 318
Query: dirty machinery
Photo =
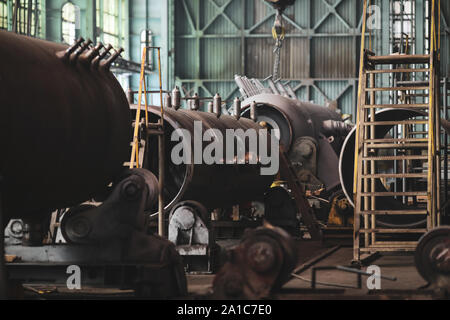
65 142
258 266
312 136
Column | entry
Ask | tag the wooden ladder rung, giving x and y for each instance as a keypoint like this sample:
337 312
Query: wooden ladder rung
395 243
394 212
387 194
400 59
398 88
394 175
394 158
399 70
397 106
398 146
393 123
379 230
393 140
393 249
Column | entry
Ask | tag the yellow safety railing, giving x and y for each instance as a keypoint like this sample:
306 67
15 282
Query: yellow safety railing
134 161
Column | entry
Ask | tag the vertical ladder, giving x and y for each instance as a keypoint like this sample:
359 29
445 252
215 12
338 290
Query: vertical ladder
151 129
410 148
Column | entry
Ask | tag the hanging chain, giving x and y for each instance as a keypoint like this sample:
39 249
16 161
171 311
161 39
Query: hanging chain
278 33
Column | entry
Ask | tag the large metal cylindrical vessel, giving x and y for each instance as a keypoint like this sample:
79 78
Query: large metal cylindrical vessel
293 118
64 125
347 165
299 123
213 185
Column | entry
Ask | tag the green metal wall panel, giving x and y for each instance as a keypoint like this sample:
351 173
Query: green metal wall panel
215 39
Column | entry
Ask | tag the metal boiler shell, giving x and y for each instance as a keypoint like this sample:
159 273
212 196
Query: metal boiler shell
294 118
214 185
64 129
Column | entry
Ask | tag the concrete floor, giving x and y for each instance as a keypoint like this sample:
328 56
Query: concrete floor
401 267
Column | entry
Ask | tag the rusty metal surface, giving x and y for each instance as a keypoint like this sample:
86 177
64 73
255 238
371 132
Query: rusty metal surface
258 267
64 126
213 185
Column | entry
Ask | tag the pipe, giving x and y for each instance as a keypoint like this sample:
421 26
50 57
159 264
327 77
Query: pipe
88 56
95 63
253 111
105 65
237 108
217 105
64 55
211 107
74 56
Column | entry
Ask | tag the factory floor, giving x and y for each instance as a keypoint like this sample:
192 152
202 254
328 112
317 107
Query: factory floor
317 254
311 254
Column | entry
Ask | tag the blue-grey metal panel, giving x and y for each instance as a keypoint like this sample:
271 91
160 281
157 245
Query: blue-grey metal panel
216 39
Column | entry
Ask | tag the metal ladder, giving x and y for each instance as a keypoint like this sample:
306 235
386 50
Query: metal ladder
408 148
155 129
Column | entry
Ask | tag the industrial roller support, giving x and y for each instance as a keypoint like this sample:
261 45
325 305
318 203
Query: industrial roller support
113 236
258 267
118 216
432 259
190 230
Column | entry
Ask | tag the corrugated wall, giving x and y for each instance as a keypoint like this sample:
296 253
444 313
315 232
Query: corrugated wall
216 39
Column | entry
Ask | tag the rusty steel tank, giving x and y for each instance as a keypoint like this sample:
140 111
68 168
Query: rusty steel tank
213 185
64 123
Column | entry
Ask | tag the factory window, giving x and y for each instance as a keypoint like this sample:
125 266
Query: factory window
3 15
70 22
147 41
402 22
109 21
26 17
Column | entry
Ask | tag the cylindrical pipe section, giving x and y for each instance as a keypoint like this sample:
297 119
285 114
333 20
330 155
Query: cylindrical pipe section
237 108
176 98
217 105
